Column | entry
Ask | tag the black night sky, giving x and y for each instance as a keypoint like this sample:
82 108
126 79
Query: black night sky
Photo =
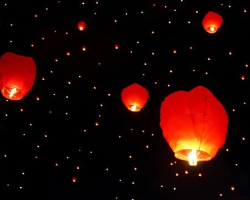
72 125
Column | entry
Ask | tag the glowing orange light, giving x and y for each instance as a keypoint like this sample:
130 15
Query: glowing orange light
192 158
134 108
212 29
12 92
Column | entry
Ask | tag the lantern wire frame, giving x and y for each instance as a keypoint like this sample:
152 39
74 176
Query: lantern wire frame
199 155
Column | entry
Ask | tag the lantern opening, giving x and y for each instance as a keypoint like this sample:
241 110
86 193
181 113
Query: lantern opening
134 108
211 29
193 156
12 92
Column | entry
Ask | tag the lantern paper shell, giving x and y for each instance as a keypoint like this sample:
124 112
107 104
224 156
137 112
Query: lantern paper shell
81 25
194 121
212 22
17 75
134 97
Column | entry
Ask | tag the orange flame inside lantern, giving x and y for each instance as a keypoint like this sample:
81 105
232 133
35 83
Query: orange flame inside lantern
12 92
192 158
212 29
212 22
134 108
134 97
194 124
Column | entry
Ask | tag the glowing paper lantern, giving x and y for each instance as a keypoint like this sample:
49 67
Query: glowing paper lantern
134 97
212 22
194 124
81 25
17 75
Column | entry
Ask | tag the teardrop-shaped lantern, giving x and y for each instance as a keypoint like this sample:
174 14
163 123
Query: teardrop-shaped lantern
212 22
81 25
17 75
134 97
194 124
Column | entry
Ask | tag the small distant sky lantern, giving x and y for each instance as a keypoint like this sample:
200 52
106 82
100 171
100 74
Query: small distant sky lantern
212 22
194 124
116 46
134 97
17 75
81 26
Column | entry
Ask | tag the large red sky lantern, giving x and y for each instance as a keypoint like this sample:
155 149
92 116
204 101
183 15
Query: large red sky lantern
134 97
17 75
212 22
194 124
81 25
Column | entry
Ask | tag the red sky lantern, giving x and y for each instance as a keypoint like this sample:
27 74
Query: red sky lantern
17 75
212 22
194 124
116 46
81 26
134 97
84 48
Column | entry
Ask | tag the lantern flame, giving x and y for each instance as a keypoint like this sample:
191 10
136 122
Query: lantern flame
12 92
212 29
192 158
134 108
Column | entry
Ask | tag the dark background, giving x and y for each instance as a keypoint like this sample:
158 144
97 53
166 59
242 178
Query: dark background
100 147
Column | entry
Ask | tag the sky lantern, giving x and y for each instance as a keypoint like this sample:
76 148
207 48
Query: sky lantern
134 97
116 46
212 22
17 75
194 124
81 26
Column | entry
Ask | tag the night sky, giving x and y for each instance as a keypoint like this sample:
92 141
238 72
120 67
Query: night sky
71 137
